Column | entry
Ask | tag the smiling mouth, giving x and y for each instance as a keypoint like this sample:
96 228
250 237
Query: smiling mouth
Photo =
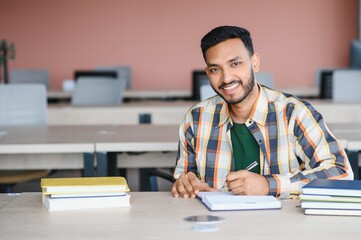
230 86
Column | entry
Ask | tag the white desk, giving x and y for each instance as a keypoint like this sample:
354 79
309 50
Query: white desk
62 147
161 112
350 132
172 112
131 95
160 216
73 147
151 146
301 92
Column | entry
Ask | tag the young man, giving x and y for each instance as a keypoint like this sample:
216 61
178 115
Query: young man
247 123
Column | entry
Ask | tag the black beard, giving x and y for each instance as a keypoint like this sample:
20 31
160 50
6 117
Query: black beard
247 90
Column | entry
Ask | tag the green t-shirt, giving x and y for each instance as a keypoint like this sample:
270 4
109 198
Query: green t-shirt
245 148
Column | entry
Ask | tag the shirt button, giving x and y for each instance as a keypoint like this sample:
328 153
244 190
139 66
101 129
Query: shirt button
260 141
250 122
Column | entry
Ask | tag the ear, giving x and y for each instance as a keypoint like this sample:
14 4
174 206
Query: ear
207 71
255 62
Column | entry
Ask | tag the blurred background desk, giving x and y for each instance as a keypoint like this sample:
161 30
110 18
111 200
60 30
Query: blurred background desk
73 147
134 95
173 112
61 96
48 147
154 112
143 147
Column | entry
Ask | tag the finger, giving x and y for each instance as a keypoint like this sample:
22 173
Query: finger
234 184
174 190
195 185
183 192
231 176
238 190
204 186
186 186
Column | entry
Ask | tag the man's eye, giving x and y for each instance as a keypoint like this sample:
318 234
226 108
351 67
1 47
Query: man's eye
213 70
235 64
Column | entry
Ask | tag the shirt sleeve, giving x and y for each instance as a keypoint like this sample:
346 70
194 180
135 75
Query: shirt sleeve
186 156
317 151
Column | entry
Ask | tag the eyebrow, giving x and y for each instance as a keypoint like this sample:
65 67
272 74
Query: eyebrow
229 61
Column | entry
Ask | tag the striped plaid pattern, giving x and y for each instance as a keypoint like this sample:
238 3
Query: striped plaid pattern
296 145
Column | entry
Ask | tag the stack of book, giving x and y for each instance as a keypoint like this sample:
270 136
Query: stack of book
84 193
332 197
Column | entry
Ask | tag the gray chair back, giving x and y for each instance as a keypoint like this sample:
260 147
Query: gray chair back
346 86
207 91
265 79
98 92
30 76
123 72
23 104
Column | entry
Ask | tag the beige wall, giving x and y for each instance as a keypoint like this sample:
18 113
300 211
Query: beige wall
160 38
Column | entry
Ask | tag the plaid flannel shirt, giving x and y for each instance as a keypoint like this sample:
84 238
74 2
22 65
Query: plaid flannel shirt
295 144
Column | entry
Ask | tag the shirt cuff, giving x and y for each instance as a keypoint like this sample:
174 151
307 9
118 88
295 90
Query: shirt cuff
279 186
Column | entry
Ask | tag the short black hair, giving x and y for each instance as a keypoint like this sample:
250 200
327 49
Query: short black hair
223 33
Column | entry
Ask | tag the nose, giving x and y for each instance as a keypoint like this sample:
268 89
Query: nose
227 75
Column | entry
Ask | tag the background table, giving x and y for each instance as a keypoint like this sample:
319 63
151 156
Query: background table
73 147
39 147
173 112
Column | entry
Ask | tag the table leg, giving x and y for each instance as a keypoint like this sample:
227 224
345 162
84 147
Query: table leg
88 165
353 158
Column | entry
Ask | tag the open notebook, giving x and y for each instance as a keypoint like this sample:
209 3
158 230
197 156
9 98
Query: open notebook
217 201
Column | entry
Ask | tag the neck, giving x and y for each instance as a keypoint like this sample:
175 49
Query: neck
240 112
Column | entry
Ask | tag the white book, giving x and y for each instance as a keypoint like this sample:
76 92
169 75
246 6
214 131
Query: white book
101 194
333 212
330 205
326 198
216 201
79 203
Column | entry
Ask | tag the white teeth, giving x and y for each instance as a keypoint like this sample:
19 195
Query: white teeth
233 86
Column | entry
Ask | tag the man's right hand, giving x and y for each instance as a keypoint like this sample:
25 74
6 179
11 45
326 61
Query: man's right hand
188 185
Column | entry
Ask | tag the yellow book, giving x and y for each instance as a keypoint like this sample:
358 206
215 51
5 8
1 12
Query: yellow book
84 185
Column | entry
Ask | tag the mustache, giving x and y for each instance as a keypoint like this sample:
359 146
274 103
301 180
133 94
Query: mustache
223 85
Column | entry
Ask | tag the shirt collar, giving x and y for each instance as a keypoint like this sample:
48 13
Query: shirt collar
258 113
260 109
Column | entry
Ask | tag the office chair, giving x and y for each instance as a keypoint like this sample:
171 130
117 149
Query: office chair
98 92
324 80
123 72
206 91
155 173
94 74
199 78
265 79
346 85
30 76
21 105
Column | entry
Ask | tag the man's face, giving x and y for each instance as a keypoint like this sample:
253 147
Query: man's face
231 70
